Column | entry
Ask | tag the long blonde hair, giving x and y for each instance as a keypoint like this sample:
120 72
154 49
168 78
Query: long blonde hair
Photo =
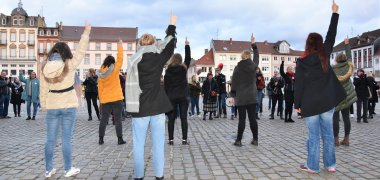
176 59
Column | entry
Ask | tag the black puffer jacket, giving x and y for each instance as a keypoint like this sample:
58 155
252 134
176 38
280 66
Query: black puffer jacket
361 87
91 84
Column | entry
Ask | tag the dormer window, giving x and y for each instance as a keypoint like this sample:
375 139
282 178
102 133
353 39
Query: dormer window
15 20
31 22
48 33
3 21
20 22
41 33
283 47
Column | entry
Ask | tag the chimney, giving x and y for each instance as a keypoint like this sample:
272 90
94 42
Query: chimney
265 42
206 51
230 41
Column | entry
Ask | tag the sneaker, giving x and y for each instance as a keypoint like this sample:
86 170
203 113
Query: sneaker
72 172
299 117
352 116
185 142
50 173
332 170
238 143
304 168
171 142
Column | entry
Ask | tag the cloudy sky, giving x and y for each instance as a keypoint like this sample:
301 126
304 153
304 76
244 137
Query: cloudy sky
203 20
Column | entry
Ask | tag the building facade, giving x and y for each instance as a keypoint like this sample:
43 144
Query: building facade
228 52
103 43
46 38
362 52
18 41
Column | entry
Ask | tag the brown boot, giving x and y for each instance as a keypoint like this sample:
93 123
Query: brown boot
346 141
336 141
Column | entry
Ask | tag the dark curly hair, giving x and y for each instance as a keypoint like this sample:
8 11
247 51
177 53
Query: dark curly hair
62 49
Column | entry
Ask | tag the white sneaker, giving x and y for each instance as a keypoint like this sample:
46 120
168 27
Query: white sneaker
50 173
352 115
72 172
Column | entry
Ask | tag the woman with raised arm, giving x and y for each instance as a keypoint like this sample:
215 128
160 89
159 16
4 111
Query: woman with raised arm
244 92
289 91
146 99
317 92
60 100
111 95
344 70
177 89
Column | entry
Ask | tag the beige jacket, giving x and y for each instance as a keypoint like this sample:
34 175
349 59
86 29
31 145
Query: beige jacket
58 75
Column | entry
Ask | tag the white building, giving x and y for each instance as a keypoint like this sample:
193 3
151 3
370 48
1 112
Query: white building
18 44
103 42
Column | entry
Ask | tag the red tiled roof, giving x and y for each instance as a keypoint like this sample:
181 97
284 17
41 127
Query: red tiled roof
73 33
371 35
239 46
207 59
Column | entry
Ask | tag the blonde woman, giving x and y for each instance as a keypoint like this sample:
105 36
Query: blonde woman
91 92
59 98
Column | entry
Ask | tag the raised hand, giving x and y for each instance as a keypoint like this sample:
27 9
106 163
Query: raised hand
187 42
335 7
87 26
173 19
346 41
252 39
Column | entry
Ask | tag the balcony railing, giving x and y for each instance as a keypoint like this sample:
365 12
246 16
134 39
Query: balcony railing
27 59
31 42
3 41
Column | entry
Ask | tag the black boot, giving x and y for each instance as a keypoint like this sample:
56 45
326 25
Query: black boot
120 140
204 116
271 116
34 118
101 141
28 118
210 117
257 116
160 178
90 118
238 143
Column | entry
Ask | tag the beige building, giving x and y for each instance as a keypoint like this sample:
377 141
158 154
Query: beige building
18 41
103 42
228 53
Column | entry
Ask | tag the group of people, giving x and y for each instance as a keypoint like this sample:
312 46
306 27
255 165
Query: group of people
12 91
315 90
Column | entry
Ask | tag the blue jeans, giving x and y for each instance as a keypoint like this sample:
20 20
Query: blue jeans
222 104
139 128
56 119
260 96
6 99
194 104
321 123
28 106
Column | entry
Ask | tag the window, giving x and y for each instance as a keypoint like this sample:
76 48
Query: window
48 46
22 36
31 22
21 65
289 59
129 47
3 52
4 65
266 78
48 33
87 59
3 21
233 57
75 45
55 33
97 59
22 53
265 59
42 33
30 65
13 65
97 46
13 72
282 58
13 37
31 54
204 69
275 58
109 46
14 21
20 22
265 68
31 37
223 57
13 52
332 55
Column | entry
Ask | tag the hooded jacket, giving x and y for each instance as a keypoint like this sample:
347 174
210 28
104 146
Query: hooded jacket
243 87
59 75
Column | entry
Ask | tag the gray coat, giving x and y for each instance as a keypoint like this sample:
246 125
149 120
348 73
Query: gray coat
243 87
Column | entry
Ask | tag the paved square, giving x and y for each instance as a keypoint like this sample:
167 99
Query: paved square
210 155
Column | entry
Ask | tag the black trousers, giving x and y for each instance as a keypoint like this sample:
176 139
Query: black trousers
346 119
251 111
106 109
359 103
352 109
92 96
288 109
17 109
183 104
275 99
371 108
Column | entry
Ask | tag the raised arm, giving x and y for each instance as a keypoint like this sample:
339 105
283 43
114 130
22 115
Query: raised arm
82 47
331 33
120 56
256 56
169 44
187 54
347 48
282 72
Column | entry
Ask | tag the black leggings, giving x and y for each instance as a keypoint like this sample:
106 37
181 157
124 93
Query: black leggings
251 111
183 106
288 109
17 109
275 99
346 119
92 96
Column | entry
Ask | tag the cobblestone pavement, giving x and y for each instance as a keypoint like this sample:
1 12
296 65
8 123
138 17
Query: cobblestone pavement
210 154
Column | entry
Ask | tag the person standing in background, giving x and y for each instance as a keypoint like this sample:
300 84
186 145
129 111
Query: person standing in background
16 100
289 91
260 84
195 91
221 82
362 91
4 95
91 92
373 86
276 84
31 94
